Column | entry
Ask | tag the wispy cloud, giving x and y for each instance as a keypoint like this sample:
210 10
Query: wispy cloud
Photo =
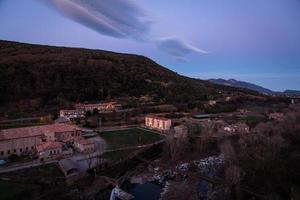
178 48
120 19
115 18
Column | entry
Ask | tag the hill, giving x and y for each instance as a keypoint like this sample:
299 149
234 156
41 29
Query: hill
36 76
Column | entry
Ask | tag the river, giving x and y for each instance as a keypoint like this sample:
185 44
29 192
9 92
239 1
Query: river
146 191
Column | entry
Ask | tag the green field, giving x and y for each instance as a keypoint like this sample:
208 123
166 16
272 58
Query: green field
129 138
116 156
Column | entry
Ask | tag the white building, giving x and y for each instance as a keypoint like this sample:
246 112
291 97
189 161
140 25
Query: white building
159 123
83 145
72 114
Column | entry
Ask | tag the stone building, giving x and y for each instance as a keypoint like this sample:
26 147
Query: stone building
83 145
49 150
61 132
22 141
19 141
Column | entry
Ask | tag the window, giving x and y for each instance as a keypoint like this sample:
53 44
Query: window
50 152
32 147
2 153
8 152
26 148
21 150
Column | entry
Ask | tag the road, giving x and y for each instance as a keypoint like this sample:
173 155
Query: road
19 166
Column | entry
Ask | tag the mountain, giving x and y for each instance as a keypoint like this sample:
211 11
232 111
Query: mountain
33 76
292 92
242 84
251 86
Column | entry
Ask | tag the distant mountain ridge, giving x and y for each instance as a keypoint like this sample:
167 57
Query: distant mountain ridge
251 86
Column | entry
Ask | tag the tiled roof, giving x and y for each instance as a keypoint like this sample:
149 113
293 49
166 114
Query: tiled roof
83 141
48 145
157 117
33 131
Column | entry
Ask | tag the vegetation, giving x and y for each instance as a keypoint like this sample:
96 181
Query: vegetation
35 77
15 191
41 173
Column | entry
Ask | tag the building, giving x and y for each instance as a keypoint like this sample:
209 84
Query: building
101 107
49 150
212 102
69 167
22 141
202 116
158 123
72 114
19 141
180 131
295 100
83 145
61 132
239 128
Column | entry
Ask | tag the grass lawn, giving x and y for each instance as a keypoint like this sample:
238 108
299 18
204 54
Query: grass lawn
129 138
15 191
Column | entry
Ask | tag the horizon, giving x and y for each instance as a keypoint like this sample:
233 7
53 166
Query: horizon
238 40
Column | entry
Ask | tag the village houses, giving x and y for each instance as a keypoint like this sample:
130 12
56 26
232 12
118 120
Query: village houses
101 107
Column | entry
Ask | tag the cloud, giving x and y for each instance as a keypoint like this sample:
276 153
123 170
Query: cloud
120 19
115 18
178 48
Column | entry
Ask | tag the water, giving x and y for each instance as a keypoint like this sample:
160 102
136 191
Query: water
146 191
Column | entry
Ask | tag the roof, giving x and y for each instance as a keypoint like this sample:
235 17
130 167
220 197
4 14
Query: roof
48 145
83 141
157 117
34 131
181 126
202 116
68 166
78 105
62 120
71 110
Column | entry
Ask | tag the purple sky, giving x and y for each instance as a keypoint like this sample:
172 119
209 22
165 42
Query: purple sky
256 41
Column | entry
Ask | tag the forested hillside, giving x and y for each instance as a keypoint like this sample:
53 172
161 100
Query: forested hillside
46 75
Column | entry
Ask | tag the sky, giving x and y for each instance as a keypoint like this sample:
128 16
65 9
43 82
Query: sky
256 41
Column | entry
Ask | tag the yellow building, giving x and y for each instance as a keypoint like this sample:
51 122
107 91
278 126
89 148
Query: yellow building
158 123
